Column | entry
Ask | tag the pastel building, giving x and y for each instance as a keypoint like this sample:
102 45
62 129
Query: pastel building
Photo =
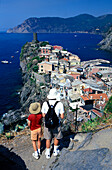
45 67
45 51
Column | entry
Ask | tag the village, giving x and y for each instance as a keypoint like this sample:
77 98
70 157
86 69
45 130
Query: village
86 86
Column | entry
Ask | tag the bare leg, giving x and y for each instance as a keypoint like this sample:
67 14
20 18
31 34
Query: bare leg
34 145
56 141
39 143
47 143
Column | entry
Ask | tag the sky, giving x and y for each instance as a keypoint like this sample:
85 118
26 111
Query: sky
14 12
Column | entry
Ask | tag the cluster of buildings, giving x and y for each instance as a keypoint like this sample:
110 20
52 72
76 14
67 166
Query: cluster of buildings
83 85
56 59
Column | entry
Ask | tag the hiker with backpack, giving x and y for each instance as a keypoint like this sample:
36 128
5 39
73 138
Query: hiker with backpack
52 110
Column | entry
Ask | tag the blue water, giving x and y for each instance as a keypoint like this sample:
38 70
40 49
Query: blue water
84 45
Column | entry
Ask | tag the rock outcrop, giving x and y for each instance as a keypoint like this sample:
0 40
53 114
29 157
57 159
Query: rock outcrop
106 43
35 89
31 91
85 151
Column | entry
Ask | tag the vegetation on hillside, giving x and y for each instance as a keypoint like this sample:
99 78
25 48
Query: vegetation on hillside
108 107
83 22
96 123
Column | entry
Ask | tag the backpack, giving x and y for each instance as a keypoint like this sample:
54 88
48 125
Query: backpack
51 118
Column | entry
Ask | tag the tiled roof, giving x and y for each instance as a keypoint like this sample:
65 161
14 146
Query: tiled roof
99 114
85 97
65 59
99 96
95 96
88 90
102 106
57 47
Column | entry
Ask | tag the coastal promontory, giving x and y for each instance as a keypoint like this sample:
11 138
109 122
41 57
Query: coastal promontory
106 43
81 23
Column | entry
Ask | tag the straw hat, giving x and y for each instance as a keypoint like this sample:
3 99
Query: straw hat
52 94
34 108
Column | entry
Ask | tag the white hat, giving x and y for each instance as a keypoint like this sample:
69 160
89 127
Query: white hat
52 94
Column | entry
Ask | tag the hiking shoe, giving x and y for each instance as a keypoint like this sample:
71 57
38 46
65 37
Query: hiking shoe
47 155
55 153
35 156
39 153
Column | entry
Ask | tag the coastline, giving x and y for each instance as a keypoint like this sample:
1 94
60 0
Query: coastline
32 92
29 93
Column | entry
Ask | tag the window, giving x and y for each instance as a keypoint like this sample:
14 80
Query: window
41 69
41 66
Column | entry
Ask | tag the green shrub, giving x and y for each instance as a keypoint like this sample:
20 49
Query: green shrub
42 58
37 58
44 43
35 68
90 125
32 80
29 66
41 84
108 107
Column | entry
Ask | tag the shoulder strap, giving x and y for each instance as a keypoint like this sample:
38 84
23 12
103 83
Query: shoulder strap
56 103
48 103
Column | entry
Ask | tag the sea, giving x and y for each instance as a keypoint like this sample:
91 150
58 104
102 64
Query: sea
81 44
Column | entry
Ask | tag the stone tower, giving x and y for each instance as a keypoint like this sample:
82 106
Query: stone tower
35 37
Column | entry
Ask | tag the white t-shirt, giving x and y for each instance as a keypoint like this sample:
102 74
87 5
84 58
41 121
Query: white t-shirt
59 109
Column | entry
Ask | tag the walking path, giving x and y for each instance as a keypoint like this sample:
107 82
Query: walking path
83 151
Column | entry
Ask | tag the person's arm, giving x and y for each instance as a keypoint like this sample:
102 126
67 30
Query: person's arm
61 110
43 114
43 110
62 115
29 123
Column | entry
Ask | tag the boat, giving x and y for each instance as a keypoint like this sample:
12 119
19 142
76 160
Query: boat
5 62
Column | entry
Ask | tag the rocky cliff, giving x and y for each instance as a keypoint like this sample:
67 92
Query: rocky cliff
80 23
31 90
106 43
35 86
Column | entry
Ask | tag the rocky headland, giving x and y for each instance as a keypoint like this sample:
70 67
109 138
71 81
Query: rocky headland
30 92
78 150
81 23
35 86
106 43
